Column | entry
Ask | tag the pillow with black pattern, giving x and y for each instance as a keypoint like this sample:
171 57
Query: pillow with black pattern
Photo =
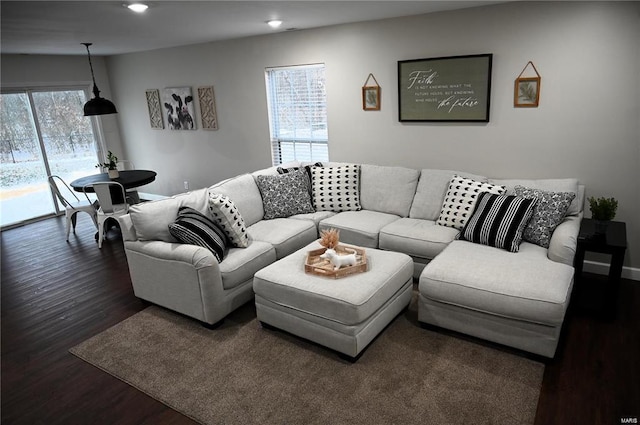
336 188
498 221
550 210
285 195
307 168
226 215
460 200
193 227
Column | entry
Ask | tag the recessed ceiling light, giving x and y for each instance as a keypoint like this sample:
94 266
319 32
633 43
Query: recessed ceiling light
138 7
274 23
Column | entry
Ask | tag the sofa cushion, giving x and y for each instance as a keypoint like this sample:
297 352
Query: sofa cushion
524 286
193 227
225 213
359 228
336 188
549 211
244 193
241 264
460 200
416 237
553 185
151 219
285 195
498 221
388 189
285 234
316 217
432 186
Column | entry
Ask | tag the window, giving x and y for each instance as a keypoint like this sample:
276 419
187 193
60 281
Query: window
297 102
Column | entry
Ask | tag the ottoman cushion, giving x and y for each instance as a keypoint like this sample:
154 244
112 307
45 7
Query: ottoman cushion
348 301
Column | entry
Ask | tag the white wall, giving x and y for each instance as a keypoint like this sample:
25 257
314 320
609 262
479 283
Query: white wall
33 71
587 125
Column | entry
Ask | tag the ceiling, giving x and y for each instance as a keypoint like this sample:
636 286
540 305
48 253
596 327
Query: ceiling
59 27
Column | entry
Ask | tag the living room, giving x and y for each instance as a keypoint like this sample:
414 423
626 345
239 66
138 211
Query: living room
586 125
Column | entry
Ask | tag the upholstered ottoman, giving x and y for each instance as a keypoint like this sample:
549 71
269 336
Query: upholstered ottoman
343 314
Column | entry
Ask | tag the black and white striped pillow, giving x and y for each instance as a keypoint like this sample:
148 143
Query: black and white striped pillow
192 227
498 221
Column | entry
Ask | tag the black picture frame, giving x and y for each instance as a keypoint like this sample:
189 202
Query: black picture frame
445 89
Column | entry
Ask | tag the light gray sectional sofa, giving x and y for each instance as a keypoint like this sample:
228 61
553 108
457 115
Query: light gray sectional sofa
516 299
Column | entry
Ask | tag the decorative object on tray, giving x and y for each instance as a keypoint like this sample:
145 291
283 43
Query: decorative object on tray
155 111
527 89
335 260
111 165
371 95
207 108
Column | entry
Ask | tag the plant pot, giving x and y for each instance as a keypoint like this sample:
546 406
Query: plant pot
600 227
113 174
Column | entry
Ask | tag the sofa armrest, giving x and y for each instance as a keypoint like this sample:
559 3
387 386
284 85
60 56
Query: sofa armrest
192 255
184 278
562 247
127 228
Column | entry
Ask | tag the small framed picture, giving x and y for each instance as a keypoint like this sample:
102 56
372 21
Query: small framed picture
527 92
371 98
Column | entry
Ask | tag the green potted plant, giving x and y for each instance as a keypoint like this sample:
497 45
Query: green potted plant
603 210
111 165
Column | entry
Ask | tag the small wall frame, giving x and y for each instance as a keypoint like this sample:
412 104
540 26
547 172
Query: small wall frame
155 110
207 108
526 92
371 95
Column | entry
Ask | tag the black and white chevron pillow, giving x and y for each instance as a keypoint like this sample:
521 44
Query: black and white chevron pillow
192 227
460 200
498 221
336 188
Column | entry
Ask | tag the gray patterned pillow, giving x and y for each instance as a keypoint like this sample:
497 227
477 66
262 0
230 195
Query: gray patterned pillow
549 211
285 195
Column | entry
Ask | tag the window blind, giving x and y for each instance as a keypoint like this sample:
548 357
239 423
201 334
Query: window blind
297 103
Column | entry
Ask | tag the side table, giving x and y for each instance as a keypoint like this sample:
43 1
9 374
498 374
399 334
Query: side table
612 240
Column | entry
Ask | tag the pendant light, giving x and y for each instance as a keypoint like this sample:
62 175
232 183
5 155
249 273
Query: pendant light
98 105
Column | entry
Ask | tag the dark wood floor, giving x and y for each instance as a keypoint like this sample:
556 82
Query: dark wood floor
57 294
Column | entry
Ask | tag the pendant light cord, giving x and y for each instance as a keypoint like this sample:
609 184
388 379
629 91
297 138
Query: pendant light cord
95 88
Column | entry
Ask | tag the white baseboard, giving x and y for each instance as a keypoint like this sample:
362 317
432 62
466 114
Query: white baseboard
151 196
603 268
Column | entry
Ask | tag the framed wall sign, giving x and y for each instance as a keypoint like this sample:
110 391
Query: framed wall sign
455 88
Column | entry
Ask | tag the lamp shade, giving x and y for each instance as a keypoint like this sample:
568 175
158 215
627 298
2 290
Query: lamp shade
99 106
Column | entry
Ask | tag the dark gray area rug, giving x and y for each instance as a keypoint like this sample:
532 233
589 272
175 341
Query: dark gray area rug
241 373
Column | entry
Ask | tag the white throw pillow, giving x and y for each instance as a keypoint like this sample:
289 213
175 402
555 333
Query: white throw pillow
460 200
225 213
336 188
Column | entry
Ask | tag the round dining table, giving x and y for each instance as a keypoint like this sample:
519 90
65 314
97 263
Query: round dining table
127 178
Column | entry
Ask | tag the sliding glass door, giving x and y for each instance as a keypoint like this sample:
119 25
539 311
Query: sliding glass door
42 133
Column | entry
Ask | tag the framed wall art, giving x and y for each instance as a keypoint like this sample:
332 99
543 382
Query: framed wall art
155 111
371 95
526 93
207 108
454 89
178 104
